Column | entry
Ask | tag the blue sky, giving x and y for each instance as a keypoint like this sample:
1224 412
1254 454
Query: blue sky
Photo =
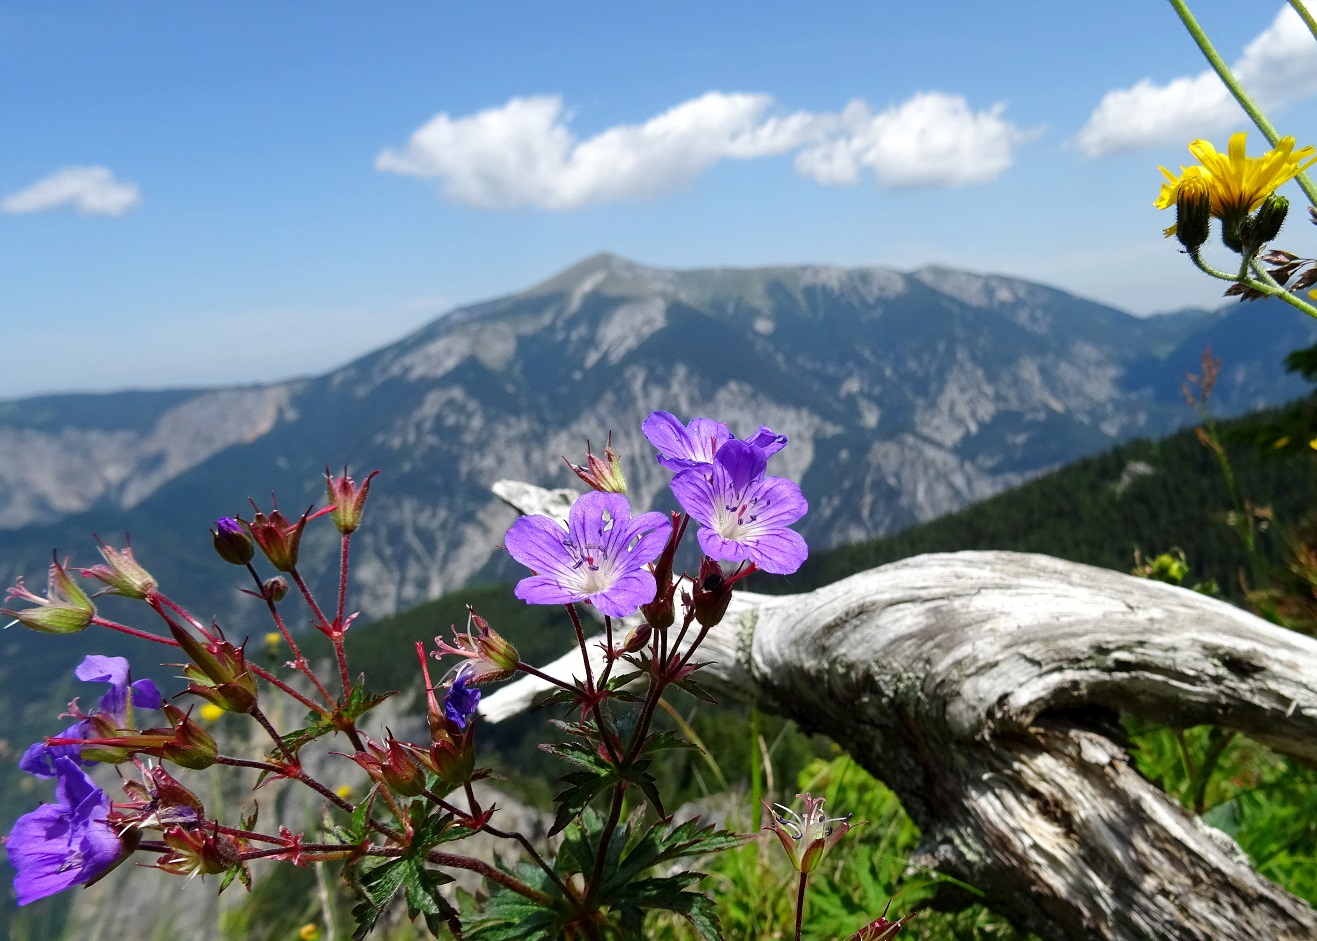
204 193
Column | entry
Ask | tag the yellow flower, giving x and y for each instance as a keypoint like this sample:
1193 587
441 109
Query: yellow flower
272 639
344 791
1238 183
210 712
310 932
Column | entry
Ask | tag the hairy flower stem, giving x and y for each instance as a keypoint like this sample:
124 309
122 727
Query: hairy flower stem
1279 291
154 596
260 717
342 579
1232 84
303 778
1304 15
608 640
1270 290
133 632
492 874
525 667
800 903
502 835
333 631
286 689
299 661
580 642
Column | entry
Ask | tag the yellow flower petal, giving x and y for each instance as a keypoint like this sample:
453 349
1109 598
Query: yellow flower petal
1238 183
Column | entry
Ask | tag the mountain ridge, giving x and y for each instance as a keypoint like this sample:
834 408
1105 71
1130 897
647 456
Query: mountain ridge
906 395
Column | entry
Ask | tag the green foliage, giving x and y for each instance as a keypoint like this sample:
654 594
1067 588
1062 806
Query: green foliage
1266 802
755 887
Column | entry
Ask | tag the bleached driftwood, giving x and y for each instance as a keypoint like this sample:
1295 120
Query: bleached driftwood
983 687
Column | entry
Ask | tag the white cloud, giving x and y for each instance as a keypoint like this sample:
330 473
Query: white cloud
933 139
1279 66
90 190
524 153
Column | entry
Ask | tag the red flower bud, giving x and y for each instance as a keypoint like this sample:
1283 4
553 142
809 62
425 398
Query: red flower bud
347 499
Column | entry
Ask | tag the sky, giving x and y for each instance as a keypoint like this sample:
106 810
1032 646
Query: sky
210 194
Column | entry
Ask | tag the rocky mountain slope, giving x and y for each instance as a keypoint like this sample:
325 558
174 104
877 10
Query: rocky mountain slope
905 395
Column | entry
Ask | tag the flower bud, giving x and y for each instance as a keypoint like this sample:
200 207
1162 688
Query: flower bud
347 499
605 476
1269 218
454 761
1193 212
218 671
277 538
275 589
65 609
232 542
394 766
712 593
659 612
191 746
193 852
637 639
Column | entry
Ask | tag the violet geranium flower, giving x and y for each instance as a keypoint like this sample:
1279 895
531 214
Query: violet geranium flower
744 515
692 447
461 700
600 557
39 759
67 843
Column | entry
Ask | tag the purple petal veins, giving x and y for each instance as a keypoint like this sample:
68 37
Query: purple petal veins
66 843
745 515
600 557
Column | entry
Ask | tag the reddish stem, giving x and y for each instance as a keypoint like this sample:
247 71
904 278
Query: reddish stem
333 631
490 873
580 641
299 661
342 579
134 632
284 687
181 611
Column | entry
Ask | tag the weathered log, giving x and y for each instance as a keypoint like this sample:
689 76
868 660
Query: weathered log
981 687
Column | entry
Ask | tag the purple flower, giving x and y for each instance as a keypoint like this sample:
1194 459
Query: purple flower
462 699
600 557
39 759
744 514
66 843
692 447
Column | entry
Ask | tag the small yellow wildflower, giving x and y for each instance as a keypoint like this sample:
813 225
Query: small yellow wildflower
310 932
1238 183
210 712
272 639
344 791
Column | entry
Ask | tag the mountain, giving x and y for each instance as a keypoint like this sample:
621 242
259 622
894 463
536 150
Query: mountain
905 395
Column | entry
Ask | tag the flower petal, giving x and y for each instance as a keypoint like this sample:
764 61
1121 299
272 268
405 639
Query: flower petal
737 465
627 594
780 552
545 589
537 543
695 495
